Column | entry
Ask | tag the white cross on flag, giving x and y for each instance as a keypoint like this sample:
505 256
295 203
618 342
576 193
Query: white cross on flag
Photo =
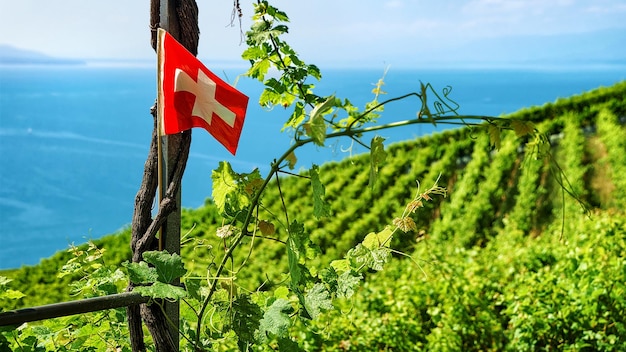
189 95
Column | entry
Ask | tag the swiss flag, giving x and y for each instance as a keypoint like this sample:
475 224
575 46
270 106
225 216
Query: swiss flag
189 95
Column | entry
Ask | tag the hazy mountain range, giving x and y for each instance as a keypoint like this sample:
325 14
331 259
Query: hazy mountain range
10 55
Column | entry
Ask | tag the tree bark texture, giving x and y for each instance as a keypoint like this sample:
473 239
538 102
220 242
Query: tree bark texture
144 228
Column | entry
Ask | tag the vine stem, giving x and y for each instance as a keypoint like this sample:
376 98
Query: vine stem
275 168
353 130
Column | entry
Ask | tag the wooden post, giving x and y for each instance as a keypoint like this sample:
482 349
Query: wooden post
169 238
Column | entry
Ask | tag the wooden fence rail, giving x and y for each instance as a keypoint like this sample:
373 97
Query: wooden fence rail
56 310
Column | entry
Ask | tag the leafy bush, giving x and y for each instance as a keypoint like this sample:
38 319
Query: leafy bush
519 293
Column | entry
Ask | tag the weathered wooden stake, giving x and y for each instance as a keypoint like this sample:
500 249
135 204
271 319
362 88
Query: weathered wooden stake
163 170
169 238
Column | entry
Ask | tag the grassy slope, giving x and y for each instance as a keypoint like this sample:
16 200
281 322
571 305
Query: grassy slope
498 203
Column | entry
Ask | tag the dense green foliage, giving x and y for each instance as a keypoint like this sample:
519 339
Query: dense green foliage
501 264
518 293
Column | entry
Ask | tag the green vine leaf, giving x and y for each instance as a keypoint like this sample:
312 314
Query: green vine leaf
267 228
316 127
168 266
253 53
341 265
405 224
320 207
246 321
12 294
275 320
141 273
374 240
347 283
258 70
194 287
296 118
494 135
522 128
275 13
225 192
296 251
232 192
344 285
378 155
161 290
7 293
288 345
317 300
291 160
361 256
324 107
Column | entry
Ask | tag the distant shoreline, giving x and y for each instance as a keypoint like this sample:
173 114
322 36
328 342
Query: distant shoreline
12 56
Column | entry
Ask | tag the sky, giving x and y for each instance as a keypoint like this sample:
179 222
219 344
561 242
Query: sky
346 32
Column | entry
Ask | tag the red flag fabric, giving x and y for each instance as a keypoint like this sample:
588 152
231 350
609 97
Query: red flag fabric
189 95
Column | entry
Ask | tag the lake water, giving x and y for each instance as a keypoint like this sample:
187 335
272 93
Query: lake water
73 140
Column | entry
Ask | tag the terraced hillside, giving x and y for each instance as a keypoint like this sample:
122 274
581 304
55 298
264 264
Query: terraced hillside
506 261
489 191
